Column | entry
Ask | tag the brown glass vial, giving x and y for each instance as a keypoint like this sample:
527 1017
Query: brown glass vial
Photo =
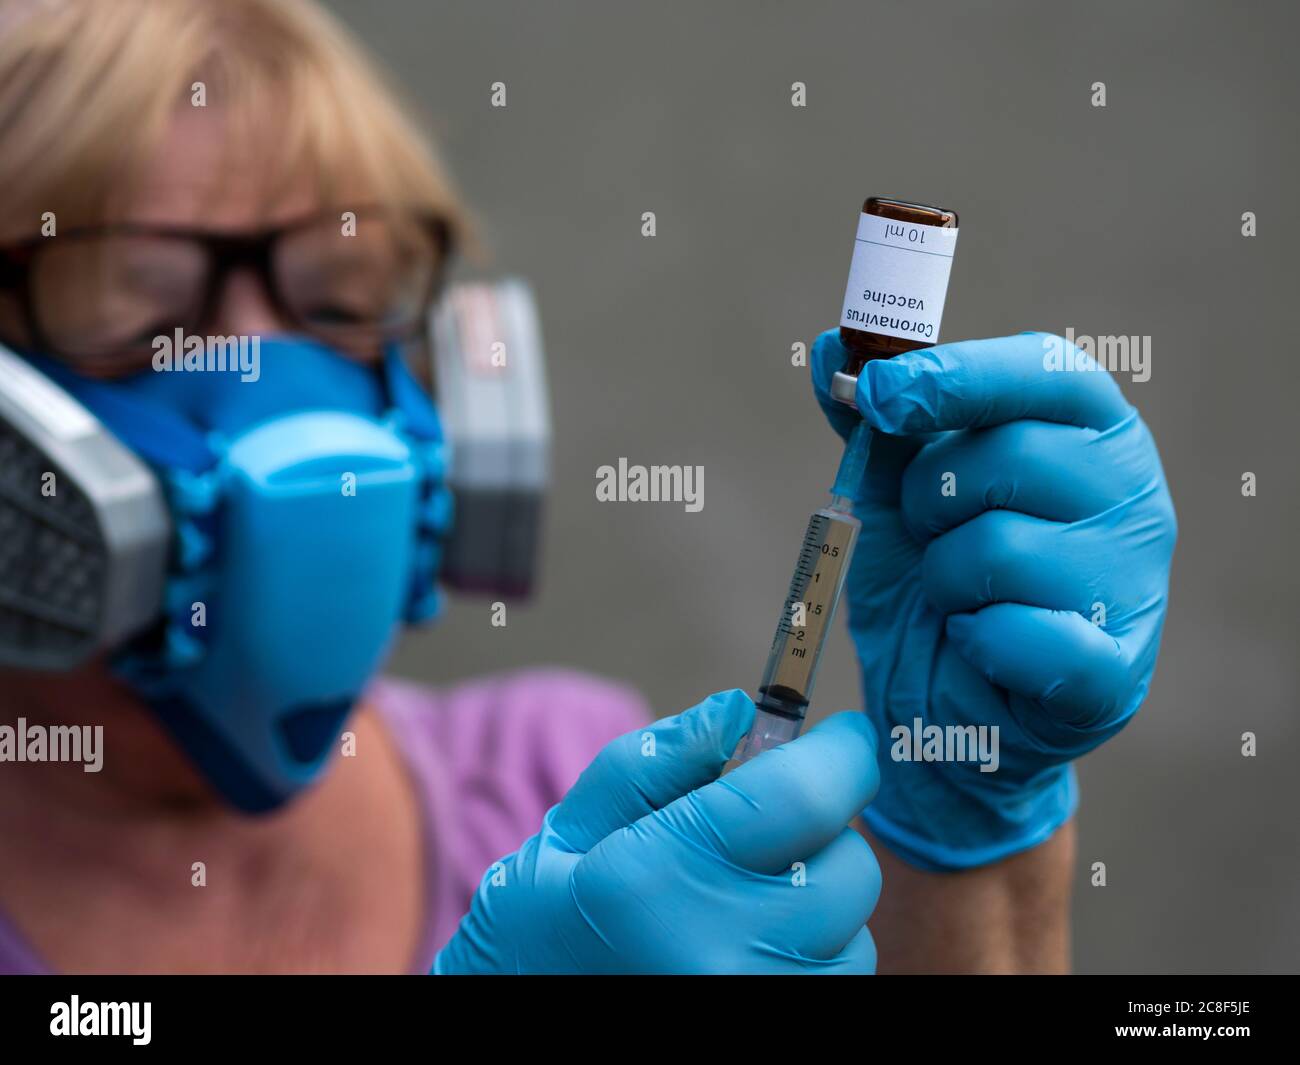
878 323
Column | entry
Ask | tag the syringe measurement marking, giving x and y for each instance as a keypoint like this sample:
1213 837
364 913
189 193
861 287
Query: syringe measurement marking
806 574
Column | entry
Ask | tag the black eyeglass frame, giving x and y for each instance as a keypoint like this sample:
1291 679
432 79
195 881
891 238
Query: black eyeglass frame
226 252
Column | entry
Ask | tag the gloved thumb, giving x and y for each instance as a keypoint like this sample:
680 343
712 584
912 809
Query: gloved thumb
644 770
828 357
889 454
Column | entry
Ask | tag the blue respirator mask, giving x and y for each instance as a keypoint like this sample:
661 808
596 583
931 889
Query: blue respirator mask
245 543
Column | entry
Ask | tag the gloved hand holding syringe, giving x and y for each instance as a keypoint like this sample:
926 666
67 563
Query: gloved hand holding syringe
898 279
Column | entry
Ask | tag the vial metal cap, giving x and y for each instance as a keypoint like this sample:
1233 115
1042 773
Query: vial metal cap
844 387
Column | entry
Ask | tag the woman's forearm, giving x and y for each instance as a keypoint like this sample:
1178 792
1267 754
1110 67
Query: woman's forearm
1010 917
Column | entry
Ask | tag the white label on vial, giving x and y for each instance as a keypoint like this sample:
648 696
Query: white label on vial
898 278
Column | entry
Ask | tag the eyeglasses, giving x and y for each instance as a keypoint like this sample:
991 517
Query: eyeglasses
99 296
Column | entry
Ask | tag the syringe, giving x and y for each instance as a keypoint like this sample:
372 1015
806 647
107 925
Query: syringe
819 574
907 248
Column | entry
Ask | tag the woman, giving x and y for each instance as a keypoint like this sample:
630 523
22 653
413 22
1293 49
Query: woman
193 164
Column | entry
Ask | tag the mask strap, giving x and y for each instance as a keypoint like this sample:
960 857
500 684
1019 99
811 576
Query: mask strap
407 395
418 416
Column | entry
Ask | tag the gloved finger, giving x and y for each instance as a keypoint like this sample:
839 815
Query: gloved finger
1074 669
788 803
858 958
1002 556
705 908
889 455
1047 470
832 894
984 382
644 770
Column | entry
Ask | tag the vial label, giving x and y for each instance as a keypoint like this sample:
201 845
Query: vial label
898 278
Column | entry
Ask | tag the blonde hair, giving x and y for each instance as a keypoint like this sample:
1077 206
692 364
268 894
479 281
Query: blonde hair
88 87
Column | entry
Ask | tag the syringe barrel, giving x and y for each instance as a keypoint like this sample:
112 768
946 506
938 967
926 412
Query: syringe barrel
786 688
819 574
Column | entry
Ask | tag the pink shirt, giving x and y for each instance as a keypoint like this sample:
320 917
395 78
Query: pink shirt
488 758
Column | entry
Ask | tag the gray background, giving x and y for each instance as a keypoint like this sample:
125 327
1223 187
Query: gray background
1123 220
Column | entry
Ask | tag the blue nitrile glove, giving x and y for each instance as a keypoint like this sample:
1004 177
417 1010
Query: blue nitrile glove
1007 509
652 864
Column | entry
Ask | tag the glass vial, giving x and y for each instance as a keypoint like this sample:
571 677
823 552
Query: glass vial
898 280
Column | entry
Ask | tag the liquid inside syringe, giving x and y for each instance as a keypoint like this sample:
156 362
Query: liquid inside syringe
819 574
